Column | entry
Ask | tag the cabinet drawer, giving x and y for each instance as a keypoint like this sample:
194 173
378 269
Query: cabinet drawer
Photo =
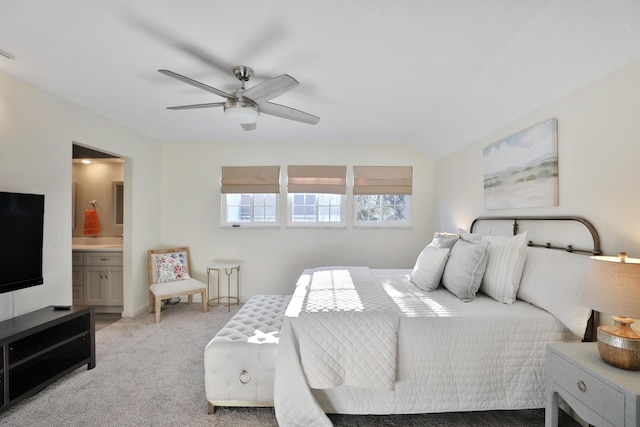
76 258
76 276
77 293
593 393
103 258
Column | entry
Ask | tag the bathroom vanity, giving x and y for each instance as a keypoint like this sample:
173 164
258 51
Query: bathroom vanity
97 276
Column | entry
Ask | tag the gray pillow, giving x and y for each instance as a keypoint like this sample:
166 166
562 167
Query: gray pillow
465 268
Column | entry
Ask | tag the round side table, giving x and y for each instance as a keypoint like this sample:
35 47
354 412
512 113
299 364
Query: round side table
228 300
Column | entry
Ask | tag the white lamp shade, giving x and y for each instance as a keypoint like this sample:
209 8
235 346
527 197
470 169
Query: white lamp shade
242 115
613 286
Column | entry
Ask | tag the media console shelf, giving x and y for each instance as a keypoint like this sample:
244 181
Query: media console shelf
41 347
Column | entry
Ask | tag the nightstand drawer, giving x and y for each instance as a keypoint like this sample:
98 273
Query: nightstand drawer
593 393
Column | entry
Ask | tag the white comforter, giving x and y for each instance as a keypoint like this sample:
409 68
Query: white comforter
450 355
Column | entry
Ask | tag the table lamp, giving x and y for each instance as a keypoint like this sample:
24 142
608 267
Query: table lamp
613 287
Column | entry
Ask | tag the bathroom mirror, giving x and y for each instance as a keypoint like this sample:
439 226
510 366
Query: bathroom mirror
118 202
73 205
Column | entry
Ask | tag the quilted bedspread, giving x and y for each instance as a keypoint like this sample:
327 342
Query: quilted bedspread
345 330
448 355
340 342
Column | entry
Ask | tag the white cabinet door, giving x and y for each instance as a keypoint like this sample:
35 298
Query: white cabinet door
100 278
113 286
93 278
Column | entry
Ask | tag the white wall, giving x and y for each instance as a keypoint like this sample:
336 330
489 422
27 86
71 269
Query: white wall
37 130
174 195
272 259
599 170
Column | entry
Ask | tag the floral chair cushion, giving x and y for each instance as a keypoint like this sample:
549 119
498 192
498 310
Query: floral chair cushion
172 267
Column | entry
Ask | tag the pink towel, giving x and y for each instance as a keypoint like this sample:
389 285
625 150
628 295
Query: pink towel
91 223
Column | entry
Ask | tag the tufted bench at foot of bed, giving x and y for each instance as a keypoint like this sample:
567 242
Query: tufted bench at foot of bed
239 362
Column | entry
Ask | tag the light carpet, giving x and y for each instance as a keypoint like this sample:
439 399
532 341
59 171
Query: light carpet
151 374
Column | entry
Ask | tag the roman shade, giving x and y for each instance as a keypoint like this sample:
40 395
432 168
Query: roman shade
250 179
382 180
317 179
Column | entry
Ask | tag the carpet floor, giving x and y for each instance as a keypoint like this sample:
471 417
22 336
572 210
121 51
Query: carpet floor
151 374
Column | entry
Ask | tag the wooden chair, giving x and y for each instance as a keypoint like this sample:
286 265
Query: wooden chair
169 278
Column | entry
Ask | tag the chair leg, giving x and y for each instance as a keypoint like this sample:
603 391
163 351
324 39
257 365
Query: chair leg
158 309
205 306
151 299
190 298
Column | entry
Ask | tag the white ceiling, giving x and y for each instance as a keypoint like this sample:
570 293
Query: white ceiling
436 74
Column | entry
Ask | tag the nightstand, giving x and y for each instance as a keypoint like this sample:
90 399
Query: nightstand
599 393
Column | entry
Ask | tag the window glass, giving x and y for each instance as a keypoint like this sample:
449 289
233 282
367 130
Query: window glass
382 209
316 208
248 208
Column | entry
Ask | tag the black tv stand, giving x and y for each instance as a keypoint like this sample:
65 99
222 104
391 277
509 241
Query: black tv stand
41 347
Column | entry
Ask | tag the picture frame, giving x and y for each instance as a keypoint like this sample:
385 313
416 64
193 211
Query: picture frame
521 170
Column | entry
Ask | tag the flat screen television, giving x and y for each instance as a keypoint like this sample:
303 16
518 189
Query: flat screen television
21 232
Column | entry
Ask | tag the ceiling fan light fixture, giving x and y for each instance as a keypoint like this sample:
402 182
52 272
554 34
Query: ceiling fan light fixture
243 106
242 115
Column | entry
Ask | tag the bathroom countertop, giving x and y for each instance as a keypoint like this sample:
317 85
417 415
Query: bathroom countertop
97 248
97 244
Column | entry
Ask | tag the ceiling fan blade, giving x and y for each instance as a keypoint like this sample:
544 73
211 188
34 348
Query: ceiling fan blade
197 84
190 107
248 126
270 89
209 59
287 113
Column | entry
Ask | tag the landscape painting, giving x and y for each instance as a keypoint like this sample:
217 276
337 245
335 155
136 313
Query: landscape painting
521 171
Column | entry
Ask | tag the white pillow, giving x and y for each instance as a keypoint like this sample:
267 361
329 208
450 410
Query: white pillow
464 269
429 267
554 281
505 262
441 241
470 237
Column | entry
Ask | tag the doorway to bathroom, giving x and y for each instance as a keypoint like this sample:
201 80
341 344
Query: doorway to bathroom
97 229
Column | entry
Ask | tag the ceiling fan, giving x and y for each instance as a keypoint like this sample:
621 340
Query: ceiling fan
244 105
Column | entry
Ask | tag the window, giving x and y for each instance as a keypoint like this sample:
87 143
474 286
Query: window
316 195
250 195
382 208
316 208
251 208
382 195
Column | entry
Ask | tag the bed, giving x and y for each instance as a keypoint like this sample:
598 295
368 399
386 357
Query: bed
376 341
